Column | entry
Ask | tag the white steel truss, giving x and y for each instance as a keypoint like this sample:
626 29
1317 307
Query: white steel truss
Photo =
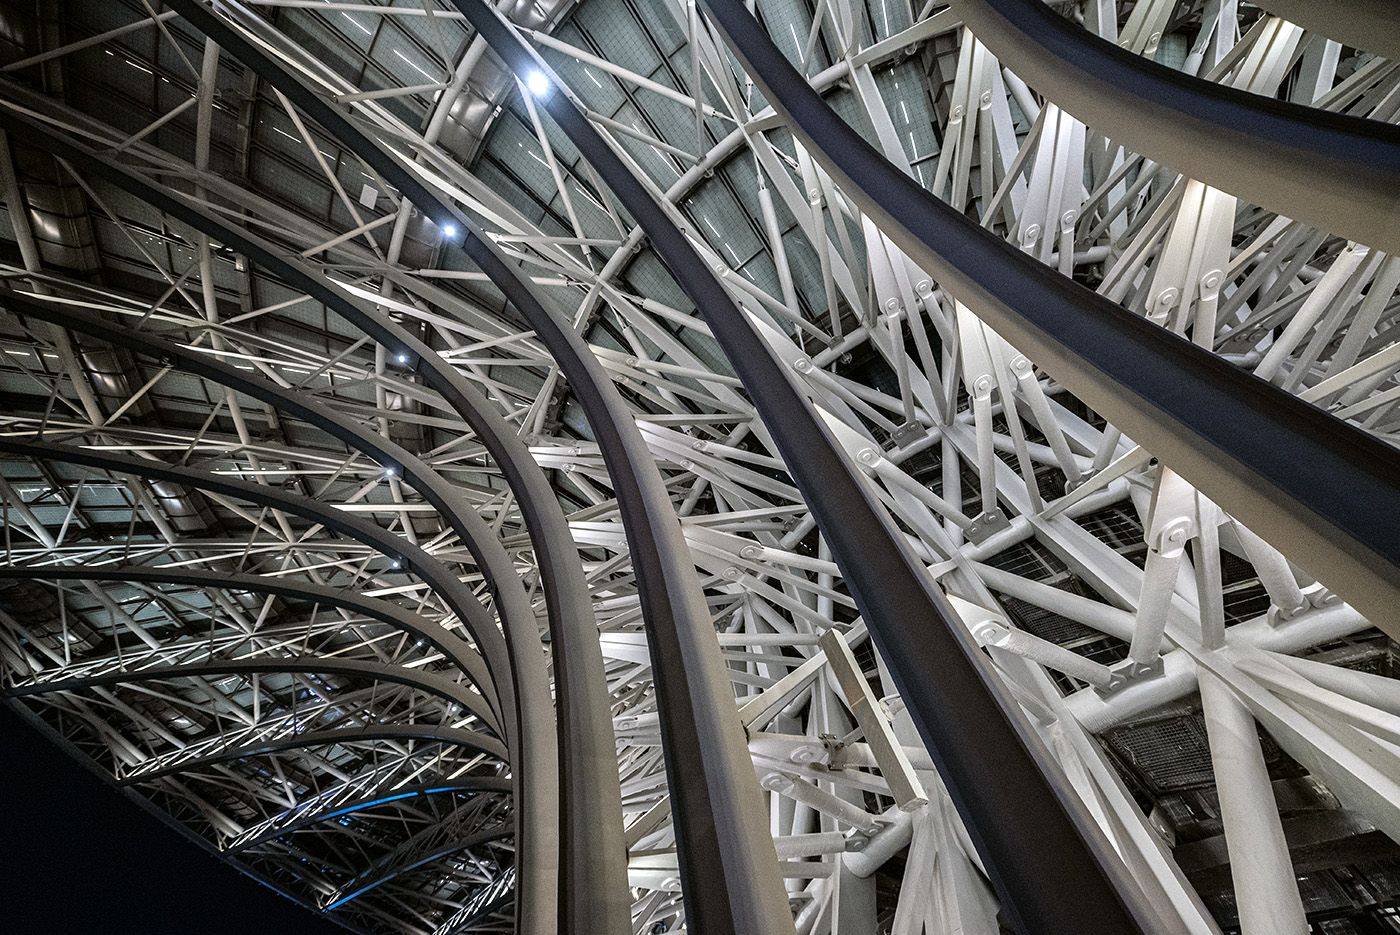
1212 703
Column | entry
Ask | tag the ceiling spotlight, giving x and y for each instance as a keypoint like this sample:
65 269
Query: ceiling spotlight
403 358
388 472
537 83
449 230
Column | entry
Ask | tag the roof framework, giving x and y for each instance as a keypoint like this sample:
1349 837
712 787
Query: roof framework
311 517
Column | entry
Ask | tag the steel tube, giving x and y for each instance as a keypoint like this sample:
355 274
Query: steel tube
1265 888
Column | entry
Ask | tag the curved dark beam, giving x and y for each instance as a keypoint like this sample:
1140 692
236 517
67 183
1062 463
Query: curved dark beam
1314 486
1339 173
593 808
1368 25
319 738
294 819
1308 482
444 688
536 752
454 648
721 828
988 753
378 874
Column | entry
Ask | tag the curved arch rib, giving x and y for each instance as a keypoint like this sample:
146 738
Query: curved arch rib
456 649
410 557
987 751
1340 173
600 869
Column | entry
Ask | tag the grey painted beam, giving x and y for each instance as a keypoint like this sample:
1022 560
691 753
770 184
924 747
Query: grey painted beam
1368 25
1337 172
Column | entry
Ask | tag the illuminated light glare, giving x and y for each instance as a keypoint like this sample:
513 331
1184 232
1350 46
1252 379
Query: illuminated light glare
449 230
537 83
403 358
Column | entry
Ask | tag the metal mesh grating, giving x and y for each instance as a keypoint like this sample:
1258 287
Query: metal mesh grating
1165 755
1119 528
1321 893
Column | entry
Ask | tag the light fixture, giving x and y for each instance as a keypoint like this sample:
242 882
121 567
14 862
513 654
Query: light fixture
403 358
388 472
449 230
537 83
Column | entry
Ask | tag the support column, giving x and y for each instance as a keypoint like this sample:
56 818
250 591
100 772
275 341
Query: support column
1266 889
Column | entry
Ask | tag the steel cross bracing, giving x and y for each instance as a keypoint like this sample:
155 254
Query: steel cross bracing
1105 609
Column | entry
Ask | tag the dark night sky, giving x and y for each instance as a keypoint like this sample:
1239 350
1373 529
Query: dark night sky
78 858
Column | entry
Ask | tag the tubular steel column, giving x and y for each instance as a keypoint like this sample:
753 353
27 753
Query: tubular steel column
1266 890
724 850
